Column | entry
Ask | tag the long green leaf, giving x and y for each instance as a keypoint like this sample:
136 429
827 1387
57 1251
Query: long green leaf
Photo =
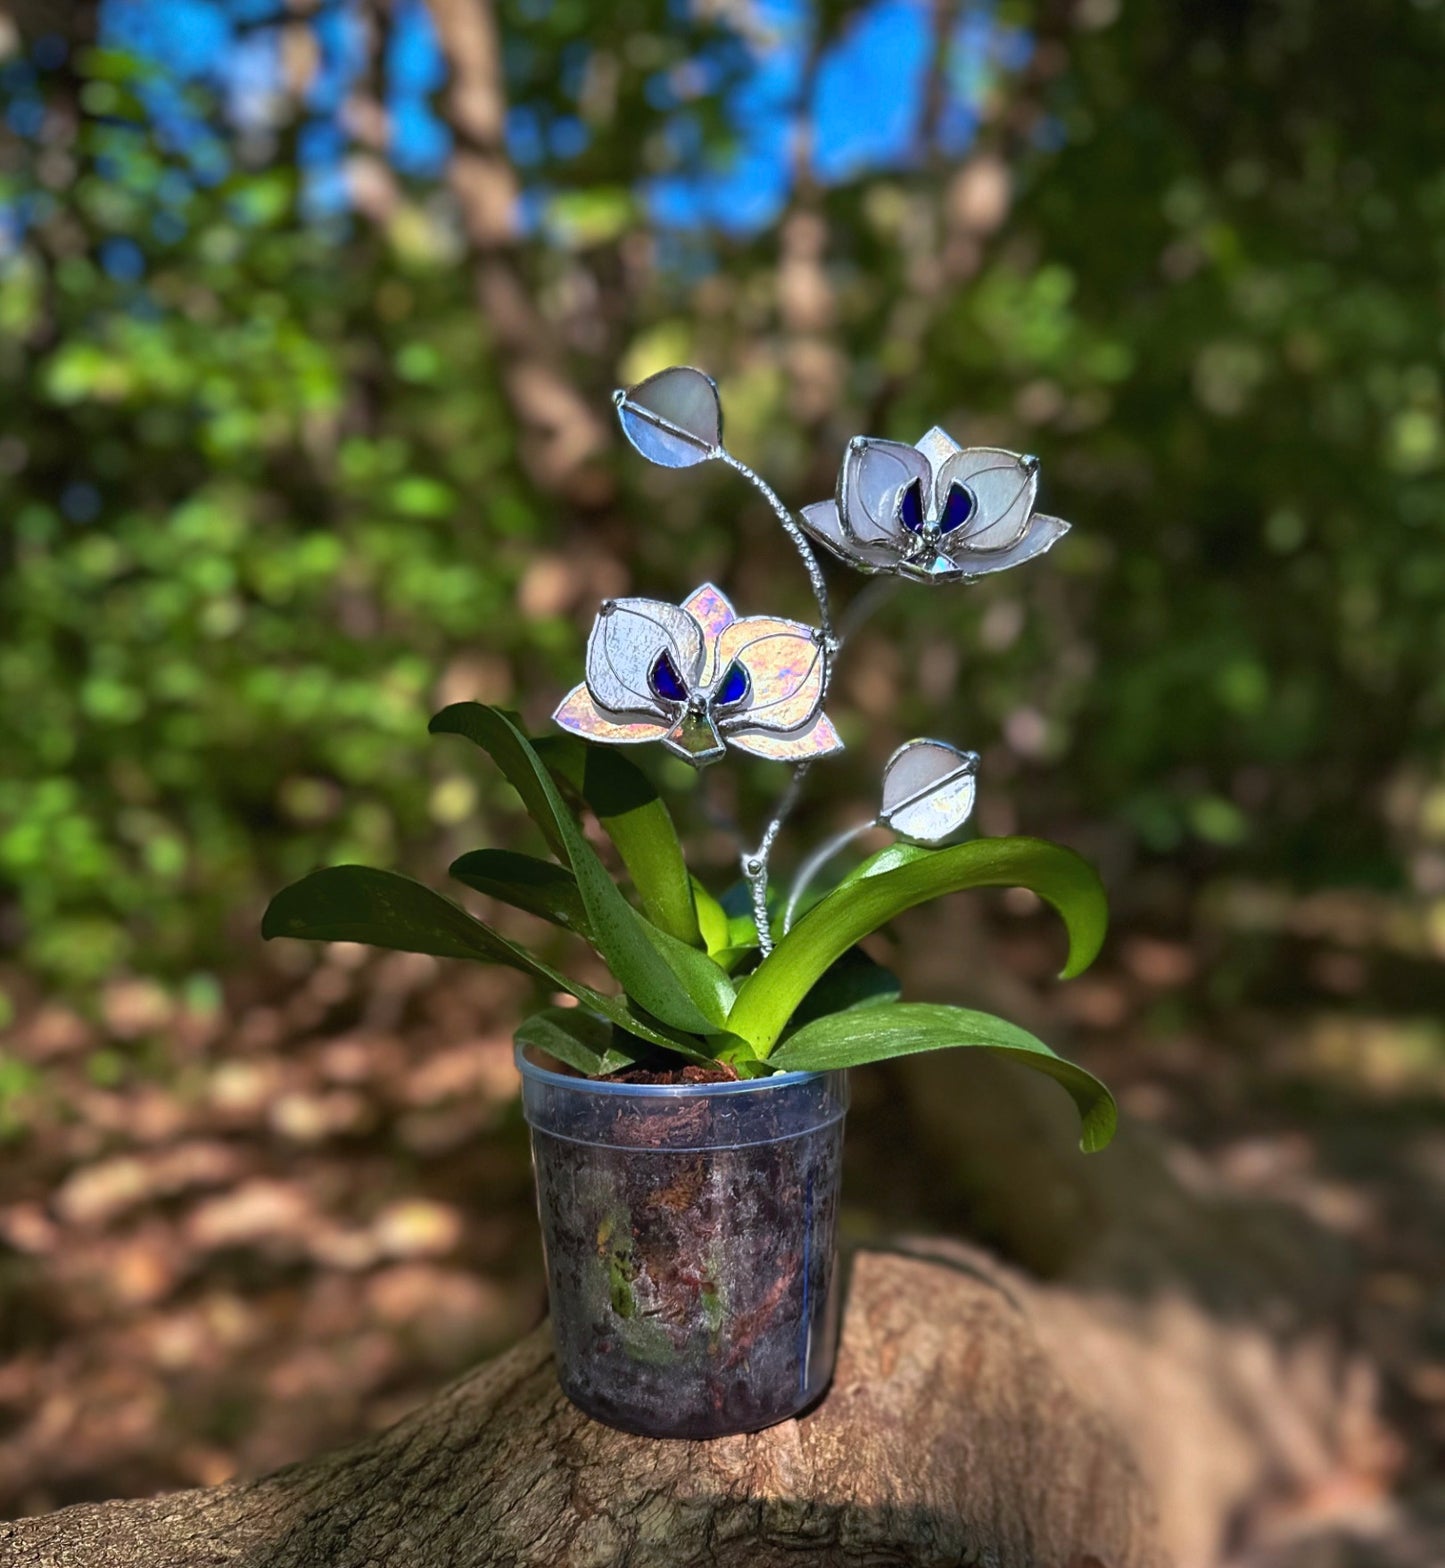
877 1033
632 814
854 980
707 982
578 1037
610 784
551 891
522 881
889 858
770 995
682 991
386 909
886 859
712 919
499 735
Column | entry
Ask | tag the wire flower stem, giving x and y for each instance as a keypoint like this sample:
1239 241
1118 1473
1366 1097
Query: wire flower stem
800 542
815 863
755 865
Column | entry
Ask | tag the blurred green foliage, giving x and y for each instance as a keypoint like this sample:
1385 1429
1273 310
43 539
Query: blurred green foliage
262 491
240 540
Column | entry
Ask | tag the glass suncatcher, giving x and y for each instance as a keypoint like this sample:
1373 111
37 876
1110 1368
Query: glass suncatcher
687 1127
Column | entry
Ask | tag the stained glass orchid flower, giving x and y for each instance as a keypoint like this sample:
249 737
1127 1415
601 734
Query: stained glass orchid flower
700 678
934 512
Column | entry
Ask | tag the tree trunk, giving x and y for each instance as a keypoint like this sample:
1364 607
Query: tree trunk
952 1433
561 434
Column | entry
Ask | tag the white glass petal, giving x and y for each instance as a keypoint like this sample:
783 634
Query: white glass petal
928 790
937 446
673 418
711 609
628 637
1041 534
1004 486
873 477
822 522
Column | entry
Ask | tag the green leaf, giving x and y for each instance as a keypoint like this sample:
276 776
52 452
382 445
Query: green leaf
524 882
875 1034
732 945
737 904
770 995
633 816
496 733
648 844
887 859
731 959
712 920
740 1056
706 980
610 784
686 990
551 891
854 980
580 1038
386 909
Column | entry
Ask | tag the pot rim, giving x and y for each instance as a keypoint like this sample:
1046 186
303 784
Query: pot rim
660 1091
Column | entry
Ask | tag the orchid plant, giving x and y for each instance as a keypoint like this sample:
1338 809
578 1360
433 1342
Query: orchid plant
744 984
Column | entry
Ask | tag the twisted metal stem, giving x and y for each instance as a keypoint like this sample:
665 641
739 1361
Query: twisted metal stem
755 865
872 598
800 543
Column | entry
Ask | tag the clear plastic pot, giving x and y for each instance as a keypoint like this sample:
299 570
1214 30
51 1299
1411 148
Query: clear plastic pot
690 1236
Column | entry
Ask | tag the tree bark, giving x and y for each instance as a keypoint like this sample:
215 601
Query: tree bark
951 1434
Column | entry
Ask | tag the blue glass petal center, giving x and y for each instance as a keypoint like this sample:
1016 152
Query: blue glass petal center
734 685
910 508
666 682
957 509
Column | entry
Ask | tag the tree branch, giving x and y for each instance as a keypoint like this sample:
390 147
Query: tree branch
950 1434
